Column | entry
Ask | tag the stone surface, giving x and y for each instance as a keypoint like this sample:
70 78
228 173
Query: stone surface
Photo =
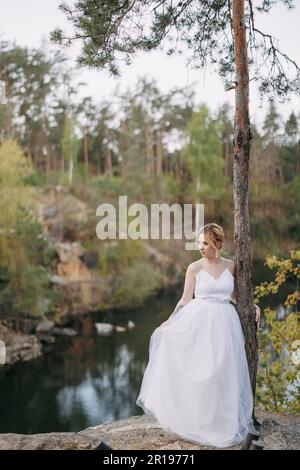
44 326
46 339
278 431
104 328
48 441
64 331
19 346
120 329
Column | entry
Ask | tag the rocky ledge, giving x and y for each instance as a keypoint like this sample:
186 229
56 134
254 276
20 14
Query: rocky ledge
278 432
19 346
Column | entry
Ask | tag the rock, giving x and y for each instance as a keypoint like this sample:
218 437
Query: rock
165 265
51 441
58 280
47 339
2 352
28 355
74 270
90 259
64 332
54 229
145 433
74 273
279 431
104 328
50 211
44 326
69 251
120 329
19 347
130 324
80 286
77 297
272 435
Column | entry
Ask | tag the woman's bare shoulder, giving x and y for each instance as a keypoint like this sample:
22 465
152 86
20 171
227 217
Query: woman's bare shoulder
194 267
230 265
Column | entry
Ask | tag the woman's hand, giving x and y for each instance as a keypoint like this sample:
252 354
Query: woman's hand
257 316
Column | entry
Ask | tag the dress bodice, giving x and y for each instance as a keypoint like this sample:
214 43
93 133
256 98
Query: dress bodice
208 287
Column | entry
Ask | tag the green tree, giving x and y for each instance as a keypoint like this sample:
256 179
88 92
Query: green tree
273 165
103 143
33 81
70 146
15 196
204 153
24 283
225 116
291 147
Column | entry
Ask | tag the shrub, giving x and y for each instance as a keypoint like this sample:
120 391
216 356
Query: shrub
138 283
278 378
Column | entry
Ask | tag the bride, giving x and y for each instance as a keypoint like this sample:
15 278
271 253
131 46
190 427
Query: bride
197 381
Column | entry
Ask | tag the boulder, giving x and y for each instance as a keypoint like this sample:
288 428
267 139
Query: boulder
120 329
19 346
44 326
104 328
64 332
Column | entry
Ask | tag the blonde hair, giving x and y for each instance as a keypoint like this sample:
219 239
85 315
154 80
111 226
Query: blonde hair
213 233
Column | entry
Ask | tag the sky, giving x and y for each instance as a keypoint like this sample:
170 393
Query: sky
28 22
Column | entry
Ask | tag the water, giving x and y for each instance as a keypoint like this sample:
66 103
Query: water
84 380
89 379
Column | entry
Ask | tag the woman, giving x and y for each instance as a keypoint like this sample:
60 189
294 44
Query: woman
197 382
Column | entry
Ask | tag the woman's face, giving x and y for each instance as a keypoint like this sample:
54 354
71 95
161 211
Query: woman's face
206 249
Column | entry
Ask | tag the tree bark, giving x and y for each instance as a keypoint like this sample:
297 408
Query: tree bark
177 170
242 240
149 146
159 150
108 161
85 148
226 155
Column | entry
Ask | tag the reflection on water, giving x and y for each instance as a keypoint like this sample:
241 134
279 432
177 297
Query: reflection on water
95 391
85 380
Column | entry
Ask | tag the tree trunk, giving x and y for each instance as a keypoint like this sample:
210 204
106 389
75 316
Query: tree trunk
48 163
149 147
280 170
159 150
85 148
298 159
242 240
108 161
177 170
62 163
36 157
226 155
8 110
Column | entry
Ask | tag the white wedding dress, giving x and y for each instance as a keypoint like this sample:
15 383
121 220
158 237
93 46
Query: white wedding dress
197 382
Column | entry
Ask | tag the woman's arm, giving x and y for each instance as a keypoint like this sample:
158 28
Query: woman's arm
189 285
188 290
